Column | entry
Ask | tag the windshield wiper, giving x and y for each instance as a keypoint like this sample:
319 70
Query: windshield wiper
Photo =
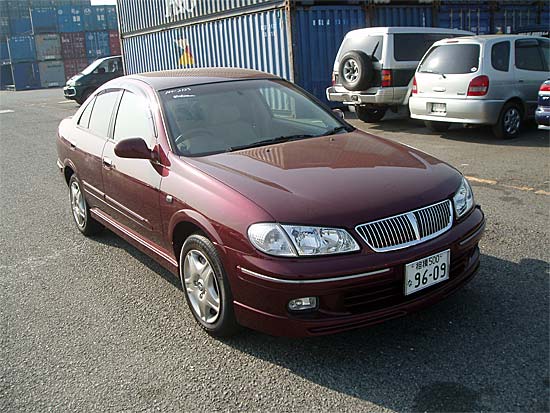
335 130
270 141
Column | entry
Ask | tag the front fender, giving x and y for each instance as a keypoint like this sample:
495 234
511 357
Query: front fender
196 218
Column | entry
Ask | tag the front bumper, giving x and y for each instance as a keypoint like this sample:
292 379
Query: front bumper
354 291
376 96
471 111
69 92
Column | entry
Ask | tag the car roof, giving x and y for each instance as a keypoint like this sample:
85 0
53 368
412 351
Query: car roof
167 79
390 30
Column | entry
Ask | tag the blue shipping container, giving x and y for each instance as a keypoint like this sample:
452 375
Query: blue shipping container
254 41
473 17
20 26
25 76
112 19
413 15
510 17
94 18
44 20
4 53
97 44
5 76
317 34
69 19
21 49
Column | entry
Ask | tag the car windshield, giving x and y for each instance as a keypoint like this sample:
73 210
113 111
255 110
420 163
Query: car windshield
89 69
228 116
451 59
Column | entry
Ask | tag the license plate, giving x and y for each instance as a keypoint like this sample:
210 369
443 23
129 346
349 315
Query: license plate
439 108
426 272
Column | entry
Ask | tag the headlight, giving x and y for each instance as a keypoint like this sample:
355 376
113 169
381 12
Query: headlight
463 199
294 240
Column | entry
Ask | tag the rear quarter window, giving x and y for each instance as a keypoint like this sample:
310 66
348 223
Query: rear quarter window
500 56
451 59
409 47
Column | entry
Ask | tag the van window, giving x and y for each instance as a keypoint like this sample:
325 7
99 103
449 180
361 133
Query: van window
409 47
500 56
529 56
101 114
365 44
451 59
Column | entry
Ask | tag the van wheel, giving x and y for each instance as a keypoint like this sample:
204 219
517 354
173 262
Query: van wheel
436 126
509 122
370 114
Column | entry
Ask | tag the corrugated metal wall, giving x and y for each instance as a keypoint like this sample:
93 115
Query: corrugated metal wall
412 15
316 36
255 41
475 17
140 15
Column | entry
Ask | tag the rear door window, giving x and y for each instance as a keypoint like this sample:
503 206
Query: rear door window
409 47
102 112
371 45
500 56
451 59
529 55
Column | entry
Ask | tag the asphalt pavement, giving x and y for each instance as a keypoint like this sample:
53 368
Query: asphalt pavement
92 324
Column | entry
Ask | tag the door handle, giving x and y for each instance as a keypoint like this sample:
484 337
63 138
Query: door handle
108 162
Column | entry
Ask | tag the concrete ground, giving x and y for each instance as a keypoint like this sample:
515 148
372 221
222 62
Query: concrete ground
93 324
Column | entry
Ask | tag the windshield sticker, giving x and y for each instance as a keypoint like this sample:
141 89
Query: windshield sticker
183 96
180 90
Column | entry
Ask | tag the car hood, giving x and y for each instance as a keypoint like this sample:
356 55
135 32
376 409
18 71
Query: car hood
340 180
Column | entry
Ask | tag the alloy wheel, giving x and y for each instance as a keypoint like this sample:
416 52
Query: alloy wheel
512 121
201 286
78 205
351 70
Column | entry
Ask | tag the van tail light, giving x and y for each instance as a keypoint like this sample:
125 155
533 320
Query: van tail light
386 78
415 86
333 78
545 87
478 86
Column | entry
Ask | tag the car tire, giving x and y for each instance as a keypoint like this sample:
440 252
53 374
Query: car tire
370 114
437 126
206 287
509 122
356 70
80 210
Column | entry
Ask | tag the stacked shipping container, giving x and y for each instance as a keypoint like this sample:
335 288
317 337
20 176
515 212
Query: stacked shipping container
295 40
45 42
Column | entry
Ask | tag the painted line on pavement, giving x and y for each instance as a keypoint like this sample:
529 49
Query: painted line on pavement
6 111
517 188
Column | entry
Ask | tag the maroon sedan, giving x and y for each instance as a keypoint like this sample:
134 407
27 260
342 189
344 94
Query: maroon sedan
274 212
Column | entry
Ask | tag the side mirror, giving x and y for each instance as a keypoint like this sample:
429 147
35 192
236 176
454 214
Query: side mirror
134 148
339 113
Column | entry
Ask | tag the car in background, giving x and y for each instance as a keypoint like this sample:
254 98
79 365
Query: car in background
542 114
82 85
273 211
481 80
374 67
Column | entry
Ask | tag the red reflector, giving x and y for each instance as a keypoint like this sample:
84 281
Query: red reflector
386 78
415 86
545 87
451 41
333 79
478 86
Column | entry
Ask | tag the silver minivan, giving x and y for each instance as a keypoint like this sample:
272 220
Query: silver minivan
484 80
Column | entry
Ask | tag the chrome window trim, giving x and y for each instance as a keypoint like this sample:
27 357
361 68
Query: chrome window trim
409 215
315 281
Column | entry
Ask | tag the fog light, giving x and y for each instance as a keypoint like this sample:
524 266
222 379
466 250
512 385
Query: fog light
304 303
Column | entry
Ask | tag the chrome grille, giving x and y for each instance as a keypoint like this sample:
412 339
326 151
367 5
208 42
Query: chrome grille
410 228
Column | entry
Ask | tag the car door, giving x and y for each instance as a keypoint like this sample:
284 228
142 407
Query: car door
132 185
88 142
531 70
